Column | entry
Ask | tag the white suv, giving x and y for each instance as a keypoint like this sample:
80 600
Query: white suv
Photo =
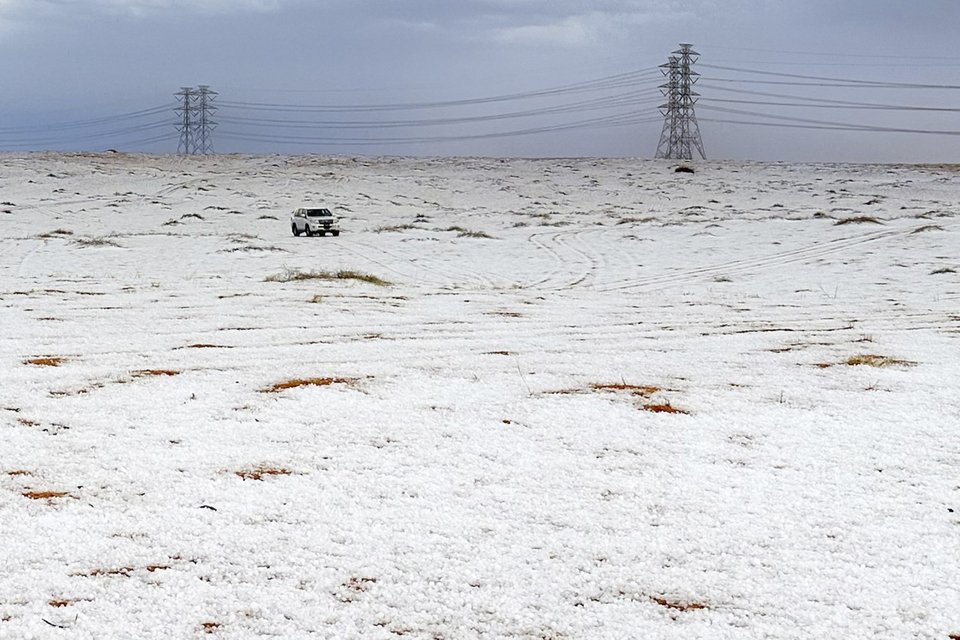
314 221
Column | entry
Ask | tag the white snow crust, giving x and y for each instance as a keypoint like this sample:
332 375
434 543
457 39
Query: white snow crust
491 458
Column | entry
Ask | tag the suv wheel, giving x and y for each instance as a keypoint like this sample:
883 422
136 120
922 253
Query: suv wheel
296 231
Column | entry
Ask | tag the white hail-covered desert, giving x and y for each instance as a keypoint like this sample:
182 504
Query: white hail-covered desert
549 399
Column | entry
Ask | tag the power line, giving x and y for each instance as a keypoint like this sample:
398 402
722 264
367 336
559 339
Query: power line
845 81
628 79
832 124
616 120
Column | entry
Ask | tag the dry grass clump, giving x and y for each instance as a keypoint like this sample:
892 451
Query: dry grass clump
463 232
474 234
293 383
353 587
259 472
858 220
677 605
250 247
59 603
44 495
116 571
395 227
56 233
871 360
96 242
927 227
148 373
642 391
45 361
18 472
317 299
664 407
119 571
868 360
633 389
209 627
294 275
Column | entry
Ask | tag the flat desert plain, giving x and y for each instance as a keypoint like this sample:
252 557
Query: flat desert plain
543 399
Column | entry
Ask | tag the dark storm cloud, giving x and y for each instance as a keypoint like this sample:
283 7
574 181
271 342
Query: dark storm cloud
64 59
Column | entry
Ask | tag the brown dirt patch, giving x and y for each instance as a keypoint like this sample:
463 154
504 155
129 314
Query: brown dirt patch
59 603
209 627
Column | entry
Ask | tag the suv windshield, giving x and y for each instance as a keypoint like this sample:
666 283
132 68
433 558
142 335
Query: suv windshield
318 213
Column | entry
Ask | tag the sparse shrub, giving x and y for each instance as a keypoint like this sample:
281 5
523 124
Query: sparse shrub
683 169
943 270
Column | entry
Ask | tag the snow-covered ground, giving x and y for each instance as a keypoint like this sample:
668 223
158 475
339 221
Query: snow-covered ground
647 405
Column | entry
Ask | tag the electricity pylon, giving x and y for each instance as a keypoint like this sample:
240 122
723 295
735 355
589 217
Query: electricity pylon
203 141
185 112
195 123
681 133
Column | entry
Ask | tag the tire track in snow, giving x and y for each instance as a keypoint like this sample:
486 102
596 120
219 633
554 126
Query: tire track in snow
779 259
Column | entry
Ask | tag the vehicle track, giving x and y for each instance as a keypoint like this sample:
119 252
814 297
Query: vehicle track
779 259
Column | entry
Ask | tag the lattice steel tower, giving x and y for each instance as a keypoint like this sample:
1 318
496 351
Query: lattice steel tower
195 123
681 133
185 112
203 140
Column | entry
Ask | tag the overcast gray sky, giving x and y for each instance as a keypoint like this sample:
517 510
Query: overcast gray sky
72 61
